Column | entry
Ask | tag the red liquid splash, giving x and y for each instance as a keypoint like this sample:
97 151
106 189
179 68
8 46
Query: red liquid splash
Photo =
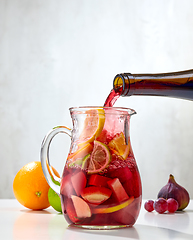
112 98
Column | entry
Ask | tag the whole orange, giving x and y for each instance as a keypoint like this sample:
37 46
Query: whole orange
30 186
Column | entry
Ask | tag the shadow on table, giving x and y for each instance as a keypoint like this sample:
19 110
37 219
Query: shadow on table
44 211
160 233
178 221
76 233
136 232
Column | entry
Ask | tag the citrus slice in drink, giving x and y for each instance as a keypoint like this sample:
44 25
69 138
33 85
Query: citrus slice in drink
93 125
118 145
80 153
113 208
98 160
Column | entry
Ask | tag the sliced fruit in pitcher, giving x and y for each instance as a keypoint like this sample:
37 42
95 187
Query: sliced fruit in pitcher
122 173
114 208
118 190
98 180
82 209
105 136
85 161
96 195
80 153
66 187
129 214
75 163
133 185
93 125
78 182
71 212
99 158
118 144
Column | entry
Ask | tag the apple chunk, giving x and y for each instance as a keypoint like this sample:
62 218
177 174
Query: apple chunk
118 190
78 182
98 180
66 186
96 195
81 207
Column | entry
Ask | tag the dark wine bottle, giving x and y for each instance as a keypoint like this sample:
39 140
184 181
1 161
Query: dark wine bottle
173 84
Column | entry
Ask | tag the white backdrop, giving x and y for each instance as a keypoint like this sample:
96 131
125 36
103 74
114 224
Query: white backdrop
64 53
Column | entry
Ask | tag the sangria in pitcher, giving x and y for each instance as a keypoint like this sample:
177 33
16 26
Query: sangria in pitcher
100 186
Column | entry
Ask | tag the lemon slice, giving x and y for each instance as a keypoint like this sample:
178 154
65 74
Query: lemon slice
93 125
114 208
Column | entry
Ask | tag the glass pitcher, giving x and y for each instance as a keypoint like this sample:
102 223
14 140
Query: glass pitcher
100 187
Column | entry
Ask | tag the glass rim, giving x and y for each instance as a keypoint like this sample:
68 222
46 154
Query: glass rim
115 110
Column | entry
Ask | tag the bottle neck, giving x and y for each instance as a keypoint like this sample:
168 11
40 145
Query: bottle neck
174 84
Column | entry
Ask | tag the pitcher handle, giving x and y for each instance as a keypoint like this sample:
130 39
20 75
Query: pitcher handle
46 167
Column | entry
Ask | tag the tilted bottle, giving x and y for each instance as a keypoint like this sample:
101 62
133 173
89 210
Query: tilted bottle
173 84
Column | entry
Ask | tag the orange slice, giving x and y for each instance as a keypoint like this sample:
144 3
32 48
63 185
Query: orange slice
93 125
98 159
80 153
118 145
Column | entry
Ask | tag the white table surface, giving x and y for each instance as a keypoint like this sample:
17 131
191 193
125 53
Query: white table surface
18 222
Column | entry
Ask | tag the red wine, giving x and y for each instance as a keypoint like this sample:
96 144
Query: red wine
112 98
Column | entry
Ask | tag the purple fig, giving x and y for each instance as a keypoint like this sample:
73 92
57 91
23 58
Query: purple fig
174 190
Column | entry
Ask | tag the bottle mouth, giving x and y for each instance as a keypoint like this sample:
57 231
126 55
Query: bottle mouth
108 110
121 84
118 82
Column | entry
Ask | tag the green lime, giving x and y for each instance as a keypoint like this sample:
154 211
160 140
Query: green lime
54 199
